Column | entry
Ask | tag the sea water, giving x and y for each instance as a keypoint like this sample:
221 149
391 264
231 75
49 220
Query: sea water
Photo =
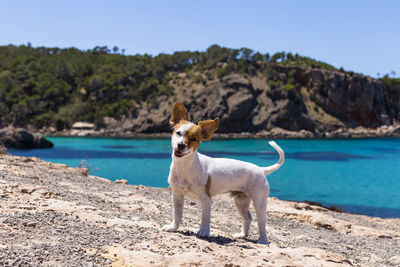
360 176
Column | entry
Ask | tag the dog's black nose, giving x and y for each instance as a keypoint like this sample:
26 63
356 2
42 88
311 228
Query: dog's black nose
181 146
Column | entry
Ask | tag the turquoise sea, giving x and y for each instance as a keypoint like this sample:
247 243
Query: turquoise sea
360 176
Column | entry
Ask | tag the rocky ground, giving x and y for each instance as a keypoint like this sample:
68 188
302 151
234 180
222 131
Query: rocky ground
54 215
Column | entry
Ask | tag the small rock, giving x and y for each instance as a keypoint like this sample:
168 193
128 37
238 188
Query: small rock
26 190
29 224
122 181
385 236
324 224
302 206
395 260
85 171
46 194
301 237
26 207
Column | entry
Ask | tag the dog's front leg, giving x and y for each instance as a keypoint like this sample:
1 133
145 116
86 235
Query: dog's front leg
178 201
204 230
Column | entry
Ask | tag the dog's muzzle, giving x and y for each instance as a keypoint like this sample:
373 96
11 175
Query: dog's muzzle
178 153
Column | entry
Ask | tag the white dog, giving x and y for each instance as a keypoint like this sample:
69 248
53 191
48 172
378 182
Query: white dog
200 177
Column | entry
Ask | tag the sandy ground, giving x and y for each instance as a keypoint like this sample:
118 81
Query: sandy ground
54 215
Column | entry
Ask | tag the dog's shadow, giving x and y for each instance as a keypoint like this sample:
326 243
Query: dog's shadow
220 240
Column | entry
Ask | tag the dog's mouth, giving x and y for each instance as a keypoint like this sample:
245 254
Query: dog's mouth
178 153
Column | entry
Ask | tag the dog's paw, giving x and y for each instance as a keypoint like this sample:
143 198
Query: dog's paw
240 235
170 227
203 233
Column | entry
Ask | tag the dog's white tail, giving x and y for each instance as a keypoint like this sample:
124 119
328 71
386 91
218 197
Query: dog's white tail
276 166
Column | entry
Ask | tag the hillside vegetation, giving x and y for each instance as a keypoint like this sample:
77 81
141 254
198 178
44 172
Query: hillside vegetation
57 87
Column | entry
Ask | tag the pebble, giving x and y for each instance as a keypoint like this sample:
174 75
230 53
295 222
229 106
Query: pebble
29 223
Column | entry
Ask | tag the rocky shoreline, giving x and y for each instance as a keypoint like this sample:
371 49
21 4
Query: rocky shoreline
275 133
55 215
20 138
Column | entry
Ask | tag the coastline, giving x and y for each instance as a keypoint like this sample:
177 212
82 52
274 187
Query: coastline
276 133
56 215
362 210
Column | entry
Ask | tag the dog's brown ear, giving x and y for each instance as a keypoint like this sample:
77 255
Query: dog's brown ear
208 127
178 113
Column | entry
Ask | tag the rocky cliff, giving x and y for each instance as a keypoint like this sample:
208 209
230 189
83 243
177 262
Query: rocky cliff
284 102
281 94
54 215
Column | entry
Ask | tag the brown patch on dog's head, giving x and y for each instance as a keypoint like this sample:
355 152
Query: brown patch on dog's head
193 137
179 113
179 124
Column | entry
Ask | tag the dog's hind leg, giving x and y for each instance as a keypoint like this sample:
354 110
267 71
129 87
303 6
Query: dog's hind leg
242 202
260 205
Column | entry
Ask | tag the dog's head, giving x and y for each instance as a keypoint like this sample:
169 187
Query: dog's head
187 136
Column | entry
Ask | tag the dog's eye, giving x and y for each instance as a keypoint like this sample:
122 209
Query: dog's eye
178 133
192 139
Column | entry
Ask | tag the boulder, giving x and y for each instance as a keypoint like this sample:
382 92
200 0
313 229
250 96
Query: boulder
20 138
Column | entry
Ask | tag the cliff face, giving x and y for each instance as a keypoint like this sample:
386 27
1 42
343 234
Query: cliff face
354 100
315 100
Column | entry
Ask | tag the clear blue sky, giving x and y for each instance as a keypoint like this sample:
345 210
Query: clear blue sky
362 36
